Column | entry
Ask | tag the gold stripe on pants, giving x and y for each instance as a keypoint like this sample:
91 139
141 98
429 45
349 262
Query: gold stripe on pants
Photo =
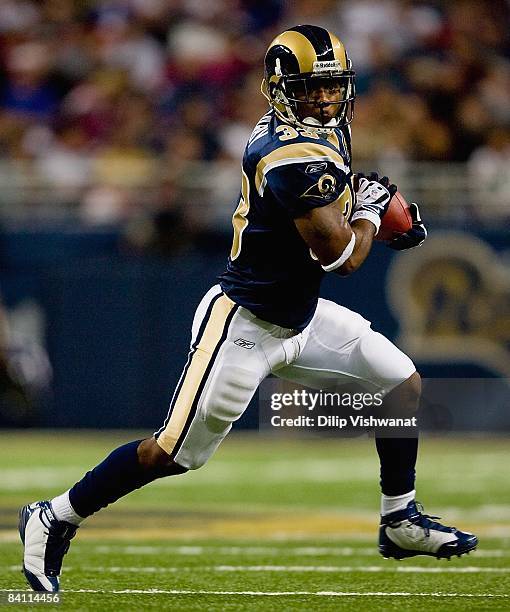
198 370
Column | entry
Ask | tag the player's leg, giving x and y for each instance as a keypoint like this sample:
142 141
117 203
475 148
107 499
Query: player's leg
47 527
341 346
137 463
404 530
217 384
379 363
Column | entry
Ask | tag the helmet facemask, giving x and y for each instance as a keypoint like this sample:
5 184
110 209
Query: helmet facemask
291 95
300 97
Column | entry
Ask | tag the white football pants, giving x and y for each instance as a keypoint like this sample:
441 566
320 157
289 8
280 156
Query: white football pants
232 351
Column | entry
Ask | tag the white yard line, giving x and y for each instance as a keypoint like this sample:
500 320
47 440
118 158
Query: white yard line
361 568
340 569
280 593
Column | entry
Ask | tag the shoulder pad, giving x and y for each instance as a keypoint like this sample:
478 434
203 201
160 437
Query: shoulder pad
308 156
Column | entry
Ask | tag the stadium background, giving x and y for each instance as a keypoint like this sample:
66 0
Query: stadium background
122 125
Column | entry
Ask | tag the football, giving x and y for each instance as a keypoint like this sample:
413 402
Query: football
397 219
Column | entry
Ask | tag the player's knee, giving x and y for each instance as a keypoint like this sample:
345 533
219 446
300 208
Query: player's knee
413 388
231 396
152 457
409 392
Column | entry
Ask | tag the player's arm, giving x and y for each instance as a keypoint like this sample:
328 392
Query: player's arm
342 247
339 246
316 196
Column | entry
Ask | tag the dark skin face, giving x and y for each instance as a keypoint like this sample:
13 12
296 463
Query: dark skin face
321 100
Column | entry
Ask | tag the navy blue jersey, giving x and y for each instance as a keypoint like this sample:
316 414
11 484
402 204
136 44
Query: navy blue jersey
286 172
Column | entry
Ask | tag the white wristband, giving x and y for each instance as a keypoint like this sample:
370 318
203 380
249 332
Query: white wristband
346 253
369 216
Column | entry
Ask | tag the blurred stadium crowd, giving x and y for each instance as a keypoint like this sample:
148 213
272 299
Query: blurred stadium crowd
112 109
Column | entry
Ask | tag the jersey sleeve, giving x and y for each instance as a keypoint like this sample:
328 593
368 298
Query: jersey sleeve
299 187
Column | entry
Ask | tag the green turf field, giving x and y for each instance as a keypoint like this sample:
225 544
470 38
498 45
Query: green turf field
266 525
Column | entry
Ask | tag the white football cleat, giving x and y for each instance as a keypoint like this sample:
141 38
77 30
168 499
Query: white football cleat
407 533
46 540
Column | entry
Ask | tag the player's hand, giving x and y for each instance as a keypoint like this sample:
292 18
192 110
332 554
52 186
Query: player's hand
415 236
373 193
372 199
374 176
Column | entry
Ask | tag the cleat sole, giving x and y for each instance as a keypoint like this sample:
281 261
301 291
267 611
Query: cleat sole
391 551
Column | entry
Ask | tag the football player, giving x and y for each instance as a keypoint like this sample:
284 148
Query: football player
300 215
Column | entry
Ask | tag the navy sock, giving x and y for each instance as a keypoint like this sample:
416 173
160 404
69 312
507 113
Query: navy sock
398 461
119 474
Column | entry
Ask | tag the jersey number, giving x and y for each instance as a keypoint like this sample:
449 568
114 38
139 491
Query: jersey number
239 219
289 133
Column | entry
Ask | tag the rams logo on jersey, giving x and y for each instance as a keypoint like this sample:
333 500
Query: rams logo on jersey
326 185
324 188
